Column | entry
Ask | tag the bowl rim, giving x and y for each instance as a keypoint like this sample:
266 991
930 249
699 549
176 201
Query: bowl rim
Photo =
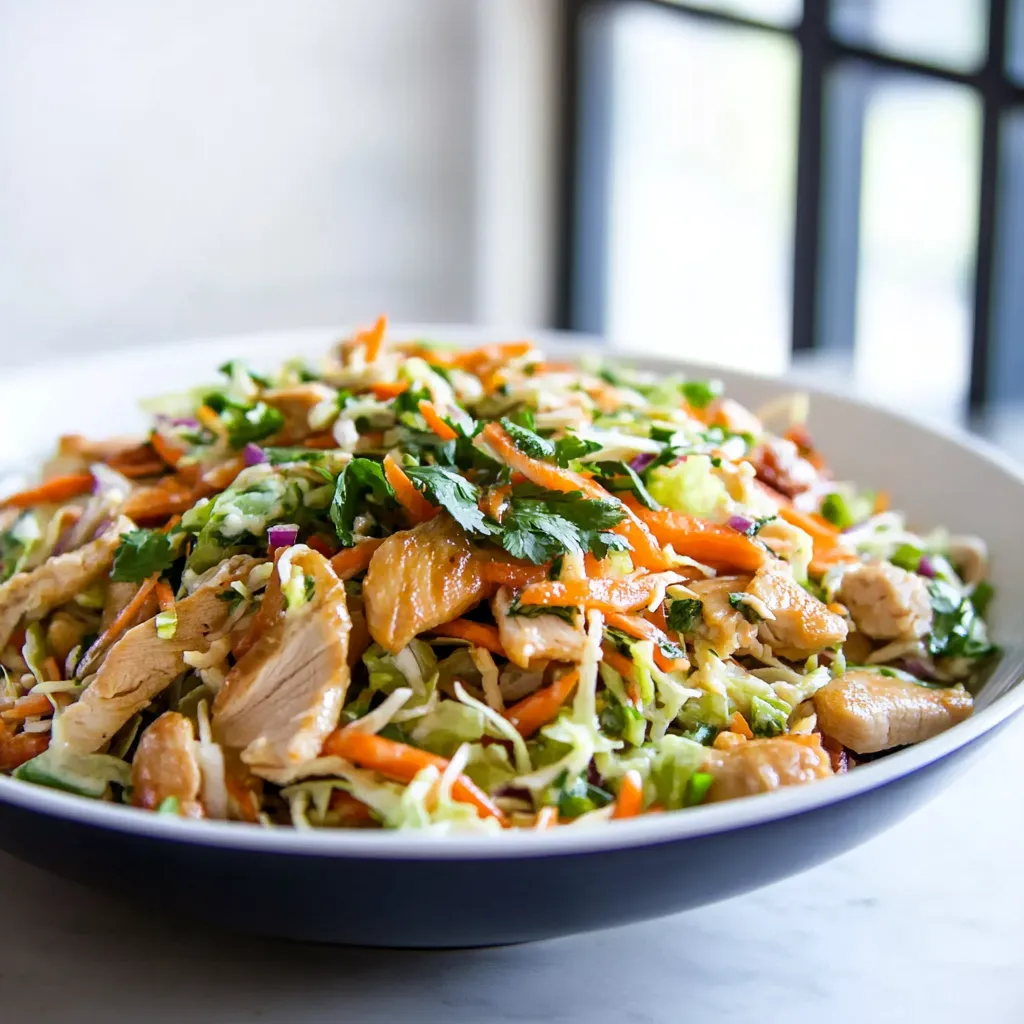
570 840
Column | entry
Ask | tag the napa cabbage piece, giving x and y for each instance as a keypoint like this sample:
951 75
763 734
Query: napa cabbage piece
88 775
691 486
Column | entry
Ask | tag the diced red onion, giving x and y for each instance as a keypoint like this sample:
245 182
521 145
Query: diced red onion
925 567
253 454
283 535
640 462
741 523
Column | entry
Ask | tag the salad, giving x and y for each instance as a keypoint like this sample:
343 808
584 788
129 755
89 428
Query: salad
417 586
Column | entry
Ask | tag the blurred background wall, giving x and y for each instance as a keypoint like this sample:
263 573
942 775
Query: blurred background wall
200 166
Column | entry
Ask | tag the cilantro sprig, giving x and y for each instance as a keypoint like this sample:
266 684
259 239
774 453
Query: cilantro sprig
142 553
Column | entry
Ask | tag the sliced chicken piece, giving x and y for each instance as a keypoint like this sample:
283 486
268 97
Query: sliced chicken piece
295 404
759 766
535 638
31 595
727 629
285 694
141 664
420 578
166 765
887 602
802 624
118 597
867 711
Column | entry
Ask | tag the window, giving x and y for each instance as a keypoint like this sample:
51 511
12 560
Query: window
752 178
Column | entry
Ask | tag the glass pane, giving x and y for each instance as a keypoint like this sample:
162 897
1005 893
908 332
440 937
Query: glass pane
948 32
703 137
1015 41
771 12
918 233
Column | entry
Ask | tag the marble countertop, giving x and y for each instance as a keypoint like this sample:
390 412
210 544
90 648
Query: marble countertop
924 923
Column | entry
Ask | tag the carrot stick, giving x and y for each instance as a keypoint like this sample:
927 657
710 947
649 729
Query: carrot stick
614 659
494 502
16 750
636 626
60 488
630 799
52 669
387 389
547 817
478 359
353 811
444 430
164 596
402 762
738 725
34 704
209 419
351 561
608 594
711 543
373 339
542 706
479 634
126 615
510 575
168 451
827 549
419 509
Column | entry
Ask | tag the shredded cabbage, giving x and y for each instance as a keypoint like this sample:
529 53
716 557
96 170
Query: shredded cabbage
691 486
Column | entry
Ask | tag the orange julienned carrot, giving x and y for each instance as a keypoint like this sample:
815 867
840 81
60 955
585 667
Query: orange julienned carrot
479 634
354 811
542 706
606 593
209 419
386 389
738 725
712 543
477 359
60 488
130 610
164 595
405 491
642 629
52 669
436 422
402 762
168 451
16 750
629 802
321 441
351 561
34 704
373 339
618 661
494 501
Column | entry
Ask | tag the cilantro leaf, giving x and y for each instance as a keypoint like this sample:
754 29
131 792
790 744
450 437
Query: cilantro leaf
444 487
758 524
982 596
768 717
699 394
571 447
685 615
533 611
620 476
142 553
360 481
958 631
739 602
529 443
246 423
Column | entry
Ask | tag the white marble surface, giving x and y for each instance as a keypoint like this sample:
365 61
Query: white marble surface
925 923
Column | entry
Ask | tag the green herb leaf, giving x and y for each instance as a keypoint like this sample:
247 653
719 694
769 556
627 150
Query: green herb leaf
245 423
958 631
620 476
580 797
766 718
699 394
453 492
685 615
234 368
142 553
360 481
738 601
529 443
982 596
534 611
571 447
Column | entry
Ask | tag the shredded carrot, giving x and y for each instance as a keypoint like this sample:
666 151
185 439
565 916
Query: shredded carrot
129 612
16 750
477 360
350 562
52 669
807 739
354 811
645 549
618 661
547 817
642 629
373 339
322 441
402 762
209 419
419 509
387 389
542 706
711 543
510 575
170 524
882 502
479 634
738 725
34 704
164 596
494 502
606 593
170 452
437 424
629 802
60 488
827 549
